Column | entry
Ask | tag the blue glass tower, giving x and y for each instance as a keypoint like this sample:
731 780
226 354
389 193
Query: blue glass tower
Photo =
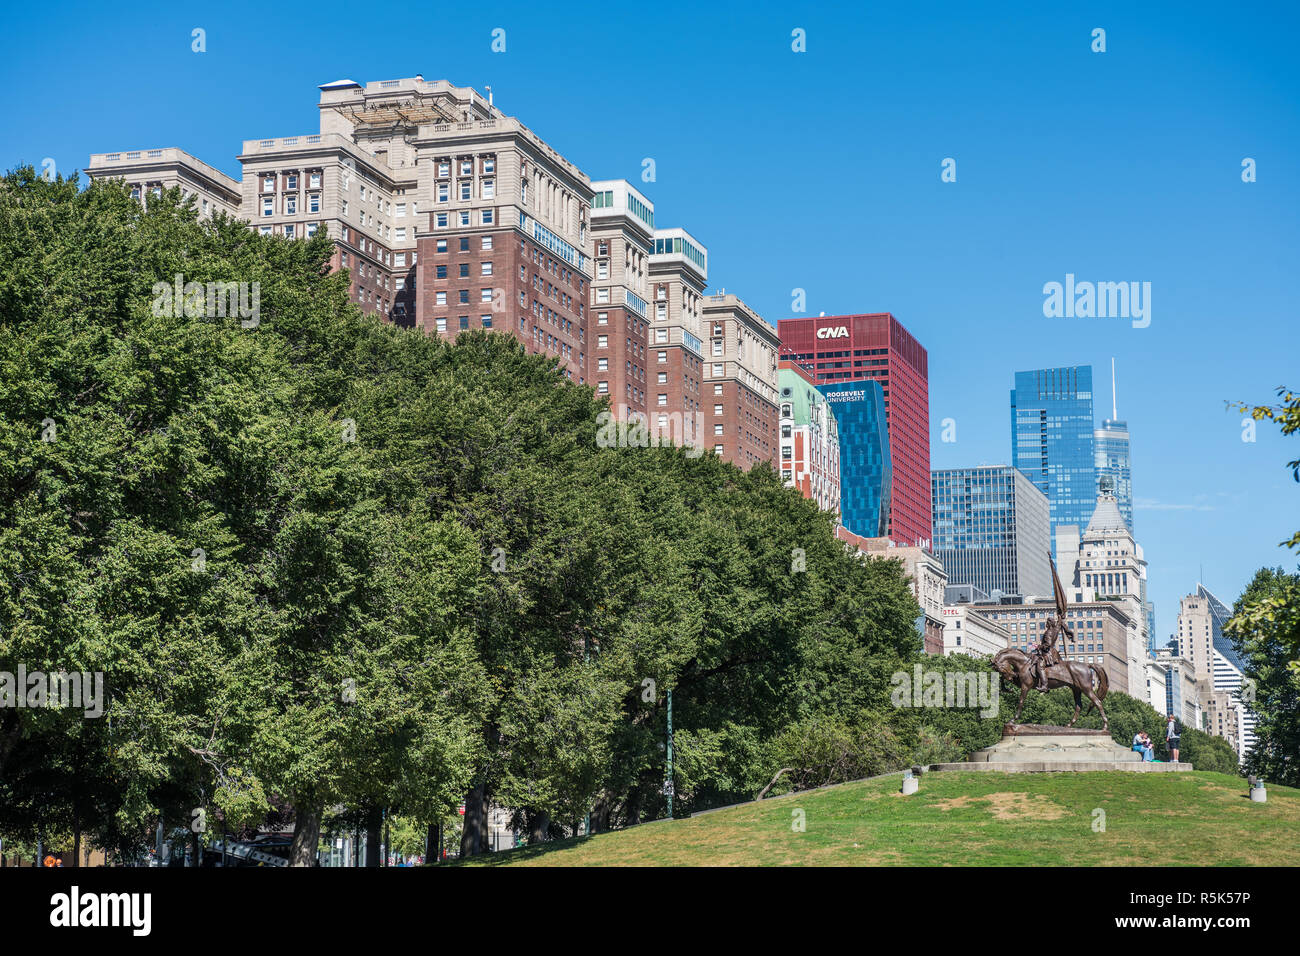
866 478
990 530
1113 461
1052 440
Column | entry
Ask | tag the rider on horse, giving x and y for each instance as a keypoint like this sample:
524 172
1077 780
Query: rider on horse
1043 654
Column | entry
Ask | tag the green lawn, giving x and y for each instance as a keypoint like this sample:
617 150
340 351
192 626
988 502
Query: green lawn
967 819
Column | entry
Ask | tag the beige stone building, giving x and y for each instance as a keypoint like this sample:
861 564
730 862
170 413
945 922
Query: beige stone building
448 215
679 273
967 631
149 171
622 232
740 381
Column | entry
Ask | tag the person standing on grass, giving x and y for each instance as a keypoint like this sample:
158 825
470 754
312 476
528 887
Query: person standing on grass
1173 731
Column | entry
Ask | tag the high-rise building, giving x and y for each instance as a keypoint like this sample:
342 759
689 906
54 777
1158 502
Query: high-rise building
740 381
842 351
810 442
1113 464
1219 615
149 171
622 235
1112 456
1104 563
679 272
1228 681
866 473
1052 439
449 215
991 530
1195 637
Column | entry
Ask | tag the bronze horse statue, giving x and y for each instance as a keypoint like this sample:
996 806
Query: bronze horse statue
1014 666
1017 667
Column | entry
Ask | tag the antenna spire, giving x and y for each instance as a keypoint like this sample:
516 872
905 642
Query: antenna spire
1114 409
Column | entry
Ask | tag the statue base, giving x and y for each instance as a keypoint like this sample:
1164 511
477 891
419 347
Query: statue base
1041 748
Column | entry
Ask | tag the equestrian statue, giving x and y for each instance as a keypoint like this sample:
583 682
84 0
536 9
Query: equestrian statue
1042 668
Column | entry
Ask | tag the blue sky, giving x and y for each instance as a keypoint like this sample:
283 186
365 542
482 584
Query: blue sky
821 170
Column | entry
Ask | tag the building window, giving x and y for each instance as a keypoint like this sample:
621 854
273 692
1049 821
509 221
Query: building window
442 324
663 398
487 242
663 357
464 321
268 207
602 341
717 409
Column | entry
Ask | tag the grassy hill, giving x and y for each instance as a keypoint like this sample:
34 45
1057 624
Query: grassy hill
967 819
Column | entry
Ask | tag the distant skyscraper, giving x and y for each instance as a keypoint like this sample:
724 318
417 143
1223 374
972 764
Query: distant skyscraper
866 473
1219 614
1112 457
1052 440
846 350
990 529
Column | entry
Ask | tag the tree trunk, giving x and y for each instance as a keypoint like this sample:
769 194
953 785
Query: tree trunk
472 834
538 823
373 821
306 836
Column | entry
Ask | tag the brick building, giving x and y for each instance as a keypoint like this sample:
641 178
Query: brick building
876 347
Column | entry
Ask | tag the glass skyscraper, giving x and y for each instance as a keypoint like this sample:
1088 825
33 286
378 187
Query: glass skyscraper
1111 459
866 474
1052 440
991 530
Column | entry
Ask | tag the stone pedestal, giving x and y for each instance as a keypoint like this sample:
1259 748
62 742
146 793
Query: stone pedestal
1037 748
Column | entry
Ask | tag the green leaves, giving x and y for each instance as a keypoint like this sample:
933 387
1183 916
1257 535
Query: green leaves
326 562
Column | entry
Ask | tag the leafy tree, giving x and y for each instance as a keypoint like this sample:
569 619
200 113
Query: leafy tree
1265 630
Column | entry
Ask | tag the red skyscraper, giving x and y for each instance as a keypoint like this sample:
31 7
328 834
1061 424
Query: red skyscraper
847 348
